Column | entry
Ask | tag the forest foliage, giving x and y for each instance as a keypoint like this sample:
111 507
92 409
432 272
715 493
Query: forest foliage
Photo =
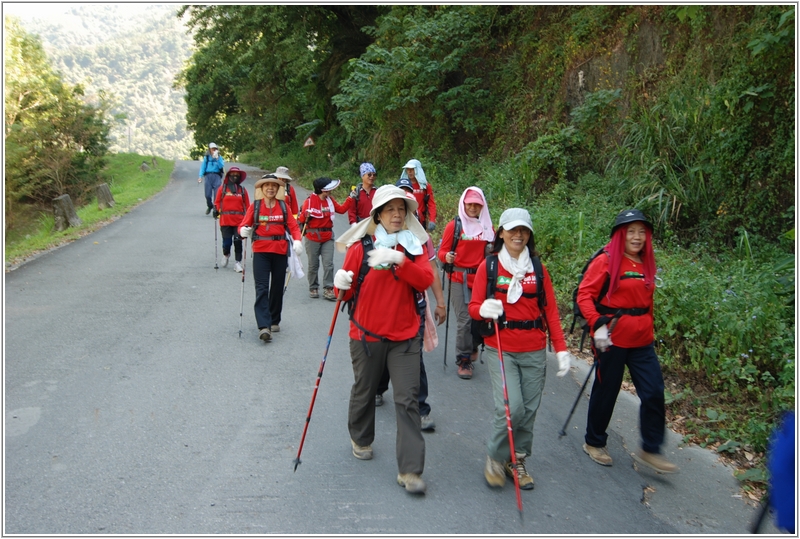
574 111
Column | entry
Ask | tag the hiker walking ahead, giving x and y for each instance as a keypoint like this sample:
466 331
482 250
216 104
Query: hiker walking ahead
423 193
211 170
230 206
627 272
318 213
274 231
384 324
363 194
525 304
465 241
291 196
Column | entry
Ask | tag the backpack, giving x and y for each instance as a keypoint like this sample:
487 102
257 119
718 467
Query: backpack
457 229
205 165
256 211
419 296
483 328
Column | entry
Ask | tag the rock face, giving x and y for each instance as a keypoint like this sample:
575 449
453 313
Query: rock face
64 213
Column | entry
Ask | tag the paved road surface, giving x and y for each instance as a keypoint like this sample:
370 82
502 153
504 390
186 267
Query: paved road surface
133 407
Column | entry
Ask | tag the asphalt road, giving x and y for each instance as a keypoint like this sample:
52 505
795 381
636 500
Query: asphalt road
133 407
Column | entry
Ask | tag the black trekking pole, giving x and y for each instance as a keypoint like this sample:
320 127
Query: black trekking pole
508 417
216 266
447 316
319 377
563 431
241 298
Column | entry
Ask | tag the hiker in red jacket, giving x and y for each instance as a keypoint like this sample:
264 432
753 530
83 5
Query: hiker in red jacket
524 328
423 193
627 271
363 194
316 219
475 236
385 324
230 205
291 196
274 231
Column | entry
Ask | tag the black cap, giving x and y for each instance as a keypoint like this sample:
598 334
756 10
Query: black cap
630 216
404 183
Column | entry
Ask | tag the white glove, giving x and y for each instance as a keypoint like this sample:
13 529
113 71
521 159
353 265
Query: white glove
385 257
298 247
602 340
246 232
491 308
343 279
564 363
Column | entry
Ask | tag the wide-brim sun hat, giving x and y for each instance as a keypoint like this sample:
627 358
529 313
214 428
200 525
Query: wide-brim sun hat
270 178
236 170
383 195
514 217
283 172
630 216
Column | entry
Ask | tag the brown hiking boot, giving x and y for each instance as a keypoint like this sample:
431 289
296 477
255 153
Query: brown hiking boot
494 473
464 367
328 294
412 482
313 293
525 479
598 454
361 452
654 461
265 335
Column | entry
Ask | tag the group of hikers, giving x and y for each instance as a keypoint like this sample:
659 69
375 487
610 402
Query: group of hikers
500 293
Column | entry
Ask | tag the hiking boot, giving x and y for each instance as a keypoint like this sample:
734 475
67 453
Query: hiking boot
493 472
265 335
464 367
328 294
238 267
225 260
379 400
413 482
426 423
275 328
208 210
362 453
525 479
655 461
598 454
313 293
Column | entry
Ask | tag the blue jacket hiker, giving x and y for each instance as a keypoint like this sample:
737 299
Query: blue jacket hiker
211 170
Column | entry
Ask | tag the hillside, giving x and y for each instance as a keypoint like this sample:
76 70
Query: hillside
130 54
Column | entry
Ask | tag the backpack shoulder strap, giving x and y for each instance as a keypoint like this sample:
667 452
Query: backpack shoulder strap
539 272
491 275
256 211
283 209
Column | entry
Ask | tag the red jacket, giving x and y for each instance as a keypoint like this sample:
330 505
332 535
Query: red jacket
427 213
291 199
362 205
232 202
317 213
470 253
630 331
521 340
386 306
271 224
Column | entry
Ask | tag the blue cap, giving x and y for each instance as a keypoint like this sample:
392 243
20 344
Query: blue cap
404 183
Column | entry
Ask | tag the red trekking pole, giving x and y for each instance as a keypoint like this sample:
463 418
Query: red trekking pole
319 377
508 417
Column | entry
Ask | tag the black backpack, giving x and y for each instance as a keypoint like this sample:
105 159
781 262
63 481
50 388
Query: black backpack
577 316
484 328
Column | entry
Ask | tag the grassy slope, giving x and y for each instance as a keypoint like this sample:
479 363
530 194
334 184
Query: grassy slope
129 186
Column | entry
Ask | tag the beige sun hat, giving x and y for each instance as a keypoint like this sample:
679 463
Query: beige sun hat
283 172
383 195
270 178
